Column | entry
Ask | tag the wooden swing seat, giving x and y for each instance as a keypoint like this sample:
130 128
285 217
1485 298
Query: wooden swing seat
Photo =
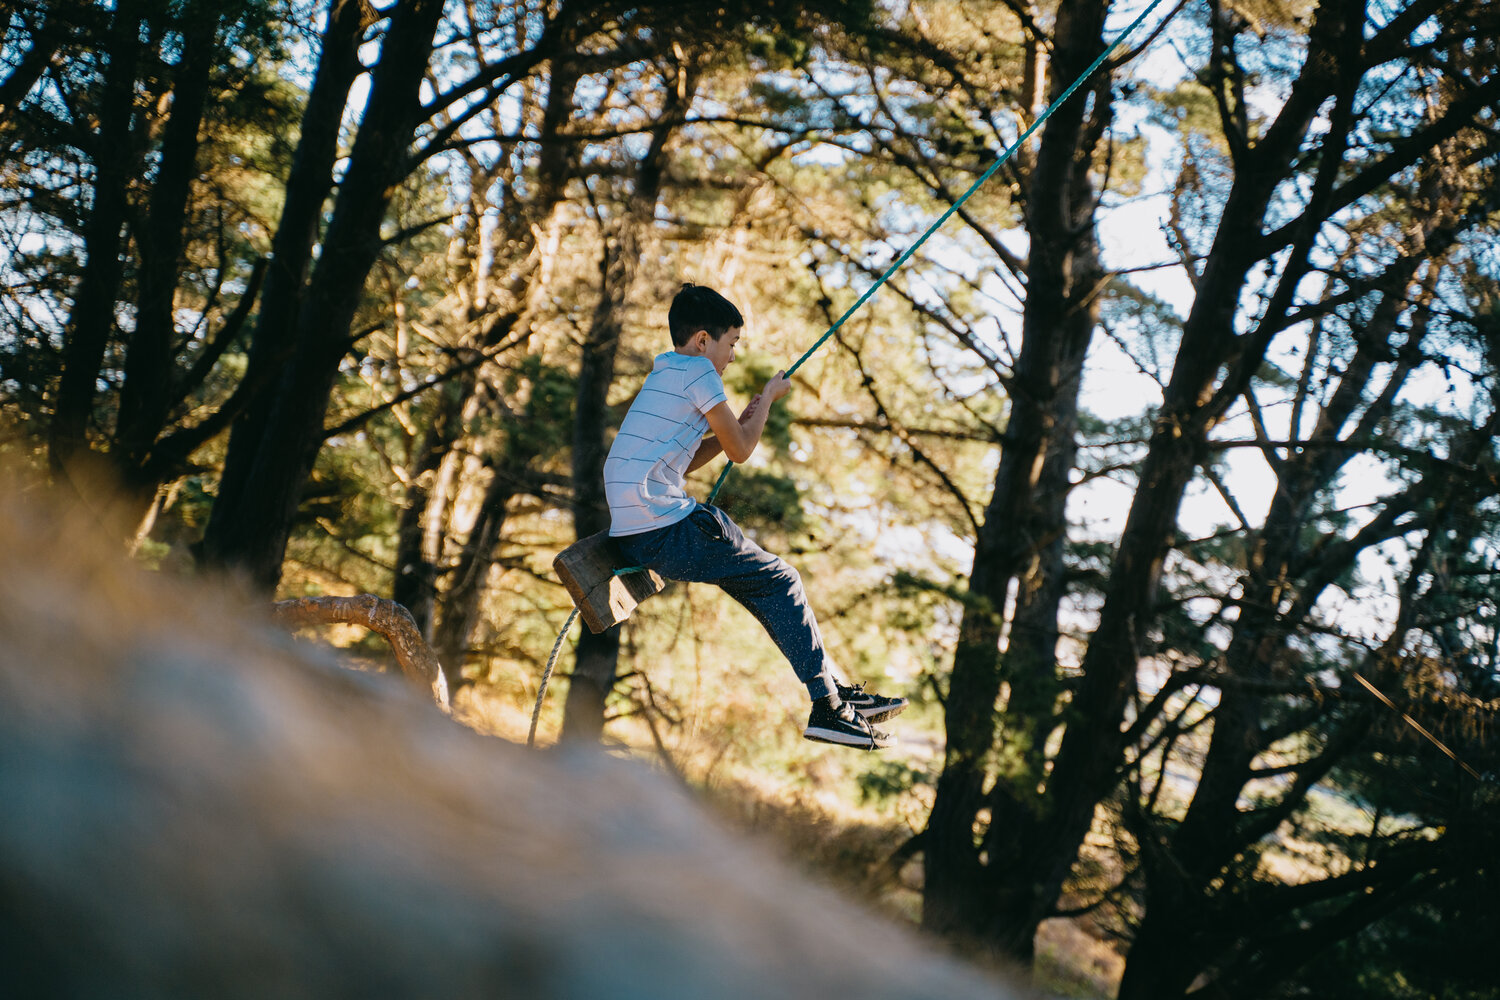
605 597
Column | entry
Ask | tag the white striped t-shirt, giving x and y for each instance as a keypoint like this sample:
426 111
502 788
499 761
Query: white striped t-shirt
643 476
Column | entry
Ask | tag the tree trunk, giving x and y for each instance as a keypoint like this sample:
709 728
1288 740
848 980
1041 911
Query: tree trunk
458 612
463 602
1085 770
1184 860
963 894
415 583
272 454
147 394
93 318
598 655
274 337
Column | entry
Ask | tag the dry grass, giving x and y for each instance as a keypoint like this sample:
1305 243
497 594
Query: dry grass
807 809
1072 962
801 800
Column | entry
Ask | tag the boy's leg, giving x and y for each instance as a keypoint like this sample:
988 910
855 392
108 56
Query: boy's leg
708 547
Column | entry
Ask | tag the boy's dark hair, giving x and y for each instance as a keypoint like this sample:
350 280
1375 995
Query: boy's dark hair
697 308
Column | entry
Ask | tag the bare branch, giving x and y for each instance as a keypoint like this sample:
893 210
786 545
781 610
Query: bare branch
418 662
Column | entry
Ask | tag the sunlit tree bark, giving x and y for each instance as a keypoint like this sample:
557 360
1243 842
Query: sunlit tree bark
624 241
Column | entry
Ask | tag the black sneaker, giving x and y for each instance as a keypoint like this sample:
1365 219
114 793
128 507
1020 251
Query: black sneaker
875 707
843 726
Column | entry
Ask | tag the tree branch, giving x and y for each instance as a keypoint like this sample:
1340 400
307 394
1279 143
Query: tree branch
391 620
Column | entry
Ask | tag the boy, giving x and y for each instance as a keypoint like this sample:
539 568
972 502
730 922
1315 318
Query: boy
657 524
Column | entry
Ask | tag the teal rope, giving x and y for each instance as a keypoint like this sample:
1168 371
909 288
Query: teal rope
884 277
999 162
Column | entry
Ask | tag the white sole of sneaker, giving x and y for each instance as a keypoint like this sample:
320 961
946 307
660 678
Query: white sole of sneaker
840 738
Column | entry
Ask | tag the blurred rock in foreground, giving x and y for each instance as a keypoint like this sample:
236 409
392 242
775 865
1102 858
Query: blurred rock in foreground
193 806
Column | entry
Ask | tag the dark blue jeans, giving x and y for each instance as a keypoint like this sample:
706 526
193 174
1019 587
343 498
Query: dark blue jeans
707 547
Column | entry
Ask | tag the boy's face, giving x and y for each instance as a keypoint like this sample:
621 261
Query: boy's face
721 351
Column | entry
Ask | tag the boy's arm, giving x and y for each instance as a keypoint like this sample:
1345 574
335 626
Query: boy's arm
710 447
707 449
738 437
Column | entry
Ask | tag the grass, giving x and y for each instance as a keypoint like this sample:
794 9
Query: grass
841 816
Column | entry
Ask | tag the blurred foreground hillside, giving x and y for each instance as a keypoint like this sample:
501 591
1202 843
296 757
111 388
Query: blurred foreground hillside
198 805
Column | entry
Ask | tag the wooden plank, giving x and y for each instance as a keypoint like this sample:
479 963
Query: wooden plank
587 568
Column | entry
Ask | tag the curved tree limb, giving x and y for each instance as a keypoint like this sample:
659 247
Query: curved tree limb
418 662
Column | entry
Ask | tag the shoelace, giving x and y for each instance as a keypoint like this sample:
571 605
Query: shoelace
862 723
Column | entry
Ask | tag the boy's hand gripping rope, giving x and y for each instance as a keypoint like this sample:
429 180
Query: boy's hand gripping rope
884 277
